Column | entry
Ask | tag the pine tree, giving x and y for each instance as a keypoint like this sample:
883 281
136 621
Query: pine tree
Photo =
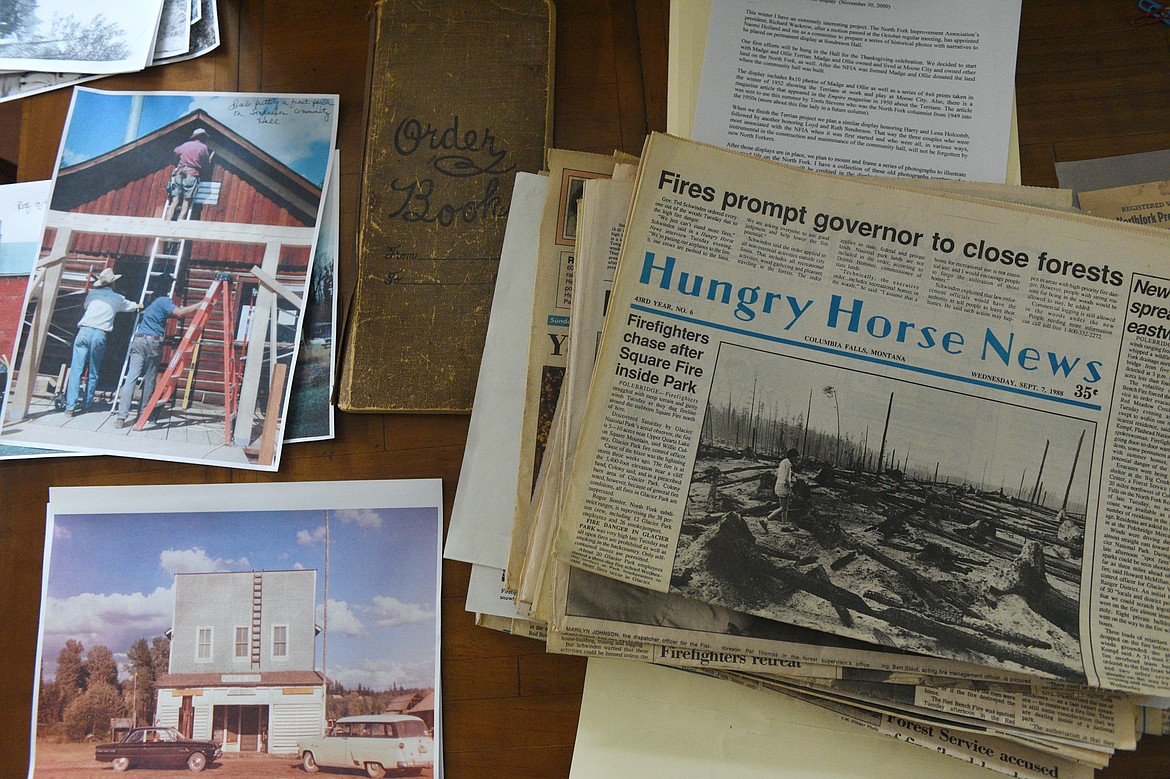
140 686
90 713
98 39
100 666
160 653
69 681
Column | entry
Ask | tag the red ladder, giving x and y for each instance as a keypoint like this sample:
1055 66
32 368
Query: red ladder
220 292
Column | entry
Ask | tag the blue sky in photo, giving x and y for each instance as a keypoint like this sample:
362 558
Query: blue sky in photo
299 140
111 580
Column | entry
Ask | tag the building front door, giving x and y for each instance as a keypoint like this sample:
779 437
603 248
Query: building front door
241 728
249 729
187 717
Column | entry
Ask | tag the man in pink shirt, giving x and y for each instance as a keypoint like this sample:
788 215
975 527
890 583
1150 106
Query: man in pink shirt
194 161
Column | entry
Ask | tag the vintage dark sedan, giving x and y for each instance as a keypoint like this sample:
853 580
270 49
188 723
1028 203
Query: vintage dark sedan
157 748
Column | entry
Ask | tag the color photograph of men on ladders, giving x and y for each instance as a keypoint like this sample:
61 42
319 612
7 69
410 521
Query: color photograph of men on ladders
164 313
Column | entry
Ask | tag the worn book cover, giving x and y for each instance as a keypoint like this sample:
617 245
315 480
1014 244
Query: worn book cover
459 102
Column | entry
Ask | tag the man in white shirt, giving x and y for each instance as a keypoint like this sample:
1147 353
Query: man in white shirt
102 304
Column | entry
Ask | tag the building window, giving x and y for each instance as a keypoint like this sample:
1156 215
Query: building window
280 640
203 644
242 643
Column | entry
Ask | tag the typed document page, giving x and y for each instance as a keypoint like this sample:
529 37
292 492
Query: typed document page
896 88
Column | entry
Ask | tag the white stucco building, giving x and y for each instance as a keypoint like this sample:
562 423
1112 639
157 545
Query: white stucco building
243 660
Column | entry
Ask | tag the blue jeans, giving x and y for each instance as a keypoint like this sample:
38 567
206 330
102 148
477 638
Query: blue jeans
145 352
88 347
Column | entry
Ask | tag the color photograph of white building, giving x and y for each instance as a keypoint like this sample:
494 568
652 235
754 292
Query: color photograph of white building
251 615
243 660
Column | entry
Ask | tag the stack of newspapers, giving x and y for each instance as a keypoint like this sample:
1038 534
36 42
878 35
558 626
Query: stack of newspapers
896 451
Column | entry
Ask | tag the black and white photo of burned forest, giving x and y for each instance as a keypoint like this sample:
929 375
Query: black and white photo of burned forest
928 520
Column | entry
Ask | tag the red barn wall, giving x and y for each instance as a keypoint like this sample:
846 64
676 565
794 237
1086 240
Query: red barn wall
11 304
239 201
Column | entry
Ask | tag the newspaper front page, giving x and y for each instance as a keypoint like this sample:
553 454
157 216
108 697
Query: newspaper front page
595 616
961 402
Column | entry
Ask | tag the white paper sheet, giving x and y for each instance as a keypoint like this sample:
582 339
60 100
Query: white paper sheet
1110 172
98 36
485 499
869 91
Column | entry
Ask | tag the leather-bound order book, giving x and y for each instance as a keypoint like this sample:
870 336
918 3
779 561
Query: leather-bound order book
460 101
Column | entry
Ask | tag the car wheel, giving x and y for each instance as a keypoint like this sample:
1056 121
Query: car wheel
121 763
375 770
309 763
196 761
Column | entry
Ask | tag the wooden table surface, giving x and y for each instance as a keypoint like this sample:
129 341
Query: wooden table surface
1089 85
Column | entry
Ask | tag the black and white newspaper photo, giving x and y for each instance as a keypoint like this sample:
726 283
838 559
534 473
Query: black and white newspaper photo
99 36
917 496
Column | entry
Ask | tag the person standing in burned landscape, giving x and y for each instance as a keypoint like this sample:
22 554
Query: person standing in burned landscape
785 479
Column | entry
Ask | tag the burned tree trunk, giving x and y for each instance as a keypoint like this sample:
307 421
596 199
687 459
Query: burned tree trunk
1026 577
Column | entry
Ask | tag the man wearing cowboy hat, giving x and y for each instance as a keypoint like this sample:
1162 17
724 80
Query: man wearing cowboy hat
102 304
194 159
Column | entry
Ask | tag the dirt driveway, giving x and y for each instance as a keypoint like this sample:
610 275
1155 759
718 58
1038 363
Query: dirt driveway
75 761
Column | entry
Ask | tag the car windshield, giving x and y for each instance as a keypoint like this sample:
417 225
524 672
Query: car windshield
409 728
